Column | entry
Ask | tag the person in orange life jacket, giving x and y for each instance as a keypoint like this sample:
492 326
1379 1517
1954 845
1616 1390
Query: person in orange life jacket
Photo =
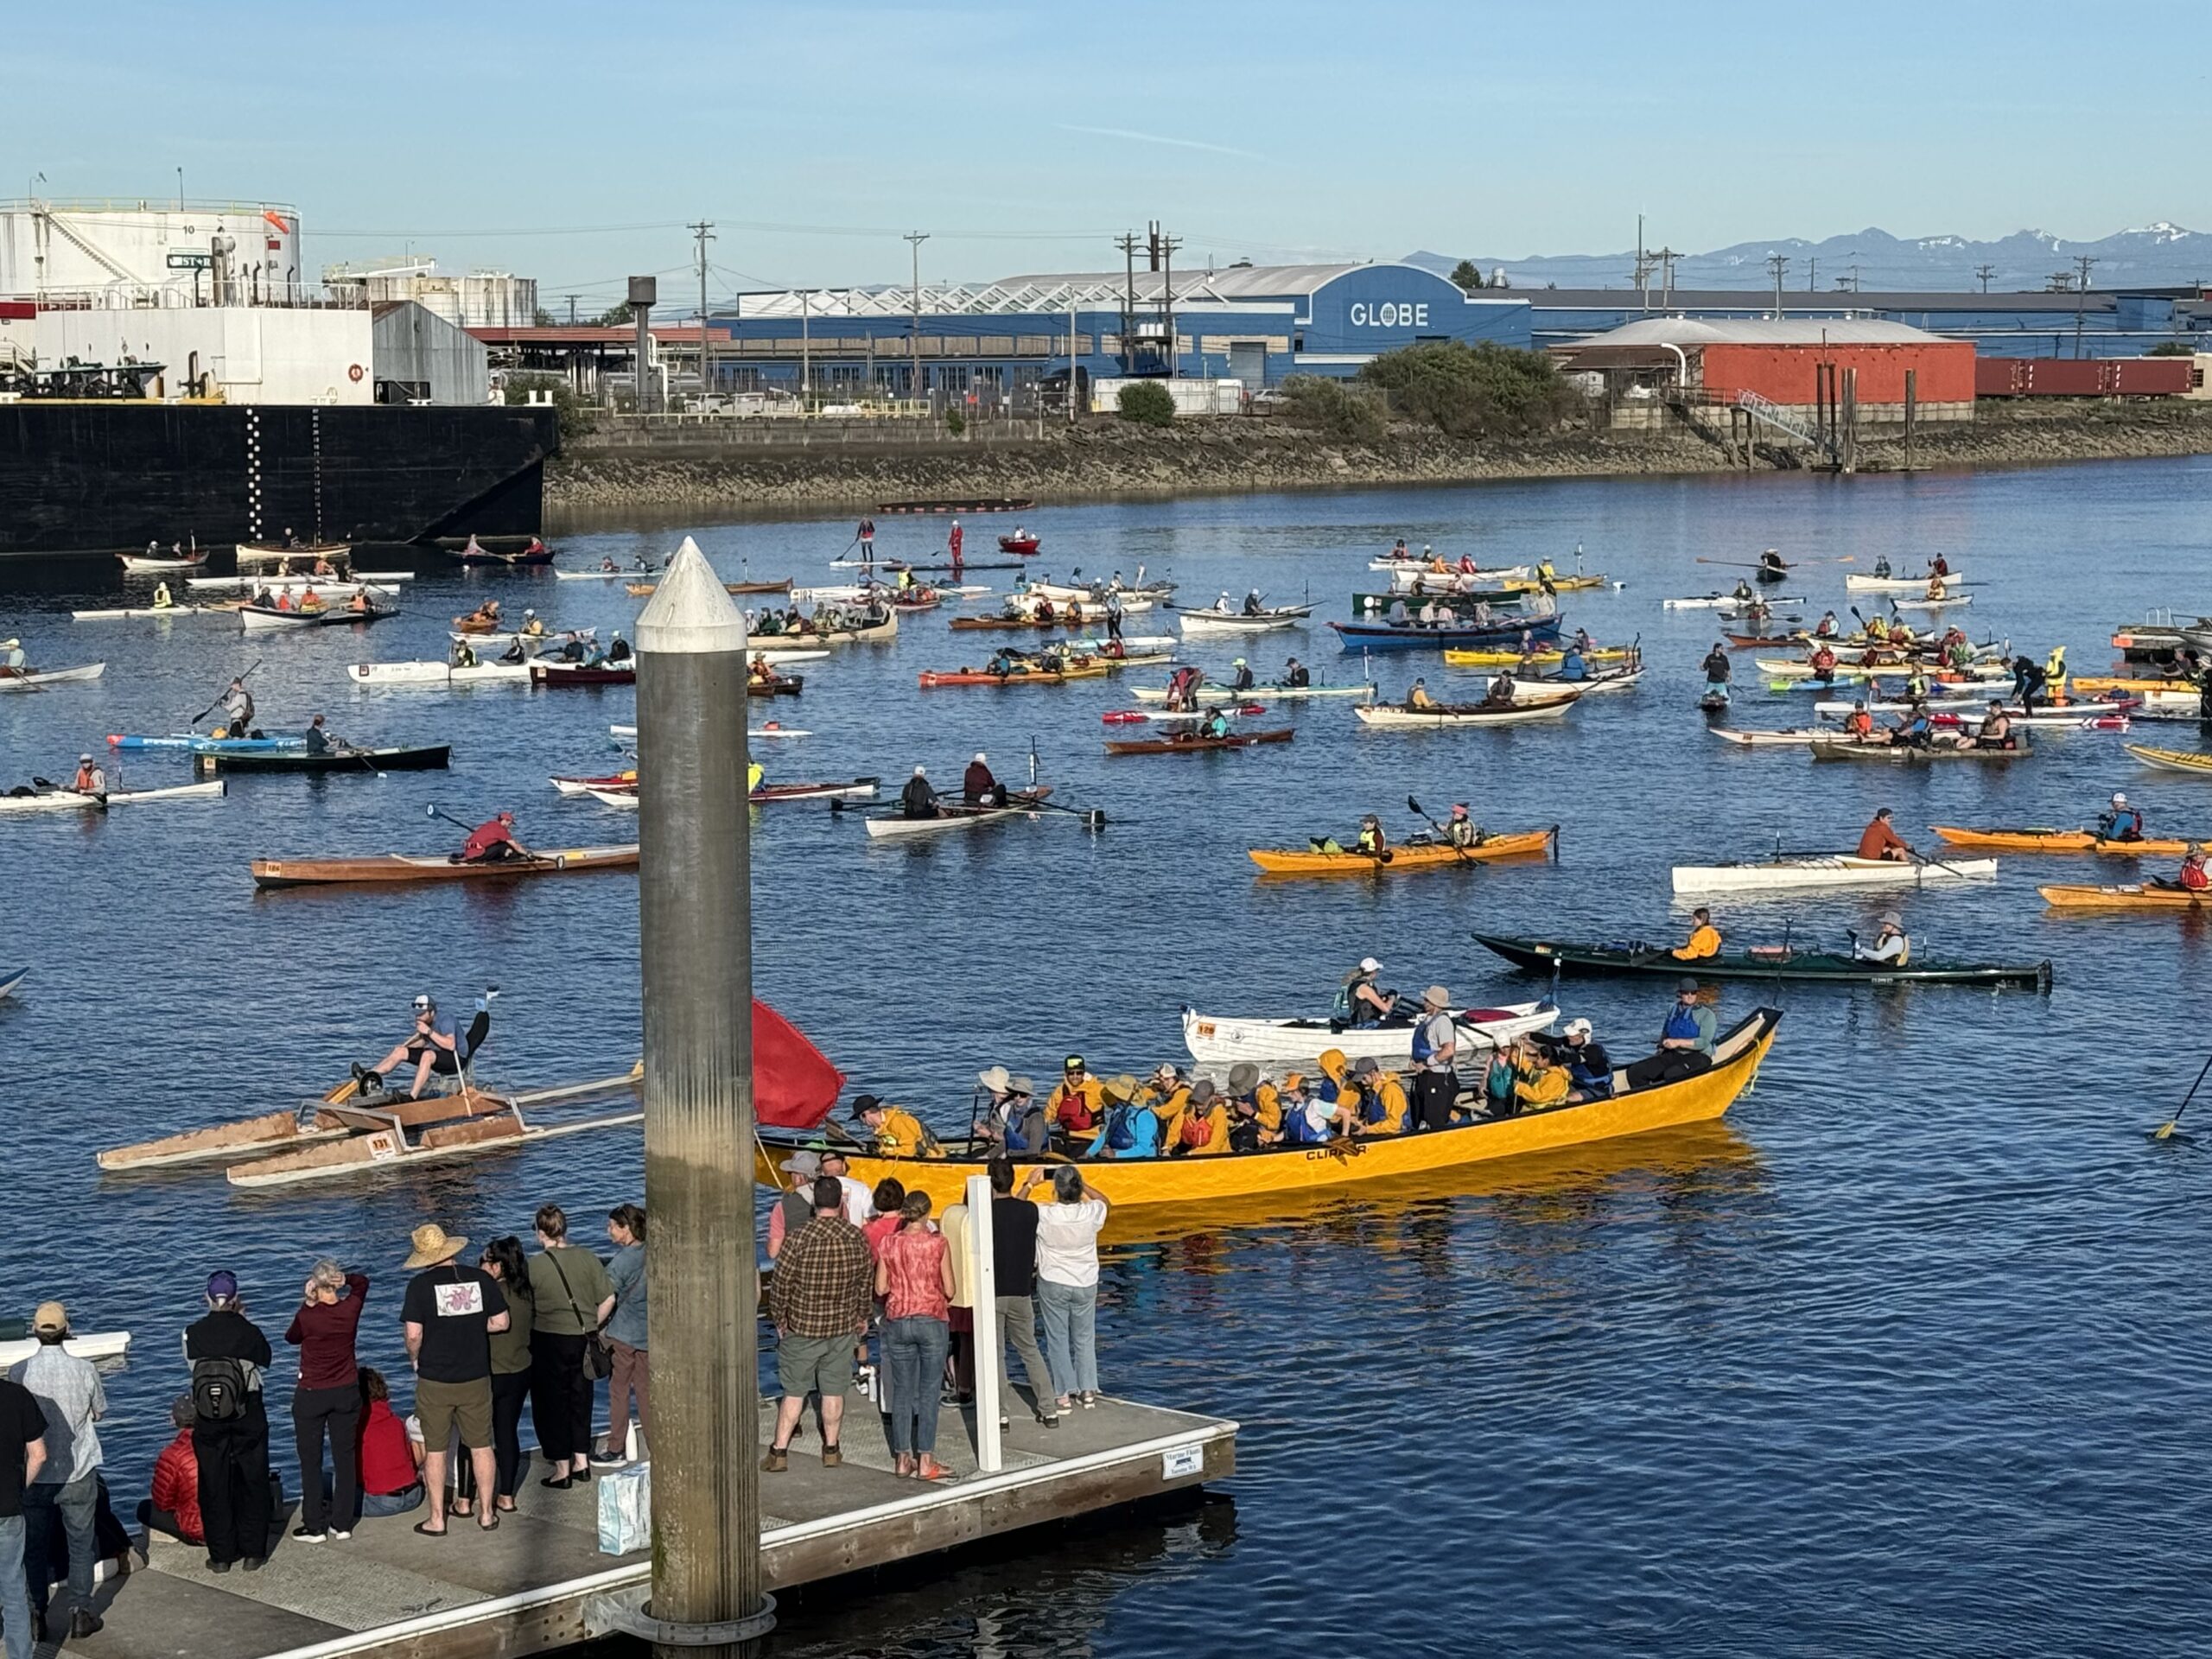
1858 724
1201 1128
1077 1104
493 843
91 778
2192 877
1704 940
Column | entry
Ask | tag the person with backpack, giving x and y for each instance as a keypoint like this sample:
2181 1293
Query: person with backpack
228 1355
1132 1127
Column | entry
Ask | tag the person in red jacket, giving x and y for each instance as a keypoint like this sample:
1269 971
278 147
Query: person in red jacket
492 842
175 1507
1881 840
392 1480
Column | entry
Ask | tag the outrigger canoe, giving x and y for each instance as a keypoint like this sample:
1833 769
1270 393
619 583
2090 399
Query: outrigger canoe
385 868
951 817
2058 841
1192 742
1761 962
421 757
1131 1182
2164 759
1409 855
2148 896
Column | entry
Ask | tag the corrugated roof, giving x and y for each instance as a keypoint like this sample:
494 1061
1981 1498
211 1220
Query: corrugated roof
1659 332
1236 282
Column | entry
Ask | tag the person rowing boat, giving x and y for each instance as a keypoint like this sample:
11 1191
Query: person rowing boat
483 619
918 799
1418 698
1500 694
1771 569
432 1045
1890 945
2120 821
319 740
978 787
493 841
1881 840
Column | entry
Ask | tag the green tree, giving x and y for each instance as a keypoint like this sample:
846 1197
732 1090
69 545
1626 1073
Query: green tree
575 416
614 316
1472 392
1331 407
1147 403
1465 277
2171 348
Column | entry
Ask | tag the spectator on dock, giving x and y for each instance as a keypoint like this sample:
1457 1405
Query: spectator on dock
859 1197
625 1333
327 1400
915 1279
22 1457
1014 1272
173 1508
391 1476
66 1490
960 1250
1067 1281
889 1198
449 1313
795 1208
573 1297
510 1371
230 1430
819 1302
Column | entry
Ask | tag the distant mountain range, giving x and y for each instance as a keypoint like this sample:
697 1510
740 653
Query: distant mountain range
2159 256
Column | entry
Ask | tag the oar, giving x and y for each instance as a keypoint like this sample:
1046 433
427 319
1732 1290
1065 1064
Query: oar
1093 818
1922 858
2164 1131
217 703
437 811
1443 835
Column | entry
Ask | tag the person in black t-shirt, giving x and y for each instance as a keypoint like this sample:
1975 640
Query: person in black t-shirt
1014 1272
449 1312
22 1453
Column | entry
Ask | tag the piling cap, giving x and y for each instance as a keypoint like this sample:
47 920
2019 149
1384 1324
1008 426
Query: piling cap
690 611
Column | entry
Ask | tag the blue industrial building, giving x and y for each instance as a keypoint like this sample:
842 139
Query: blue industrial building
1258 324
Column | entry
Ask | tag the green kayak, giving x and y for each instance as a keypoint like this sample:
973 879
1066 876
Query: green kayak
1770 961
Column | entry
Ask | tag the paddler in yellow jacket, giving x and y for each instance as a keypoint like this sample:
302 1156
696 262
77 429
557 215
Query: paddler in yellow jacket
1704 940
899 1133
1537 1080
753 773
1245 1083
1202 1128
1378 1100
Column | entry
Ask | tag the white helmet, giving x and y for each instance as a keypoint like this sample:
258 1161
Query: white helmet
2119 799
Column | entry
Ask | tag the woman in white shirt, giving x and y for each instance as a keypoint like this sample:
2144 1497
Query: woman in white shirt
1067 1281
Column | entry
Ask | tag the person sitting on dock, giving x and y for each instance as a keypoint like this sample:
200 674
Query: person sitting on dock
432 1046
493 841
1685 1042
917 799
1881 840
91 778
820 1300
173 1508
898 1132
1890 945
1995 731
1704 940
978 787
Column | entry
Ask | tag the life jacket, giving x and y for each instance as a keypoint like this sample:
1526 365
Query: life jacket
1027 1130
1422 1047
1370 1105
1681 1024
2195 879
1196 1129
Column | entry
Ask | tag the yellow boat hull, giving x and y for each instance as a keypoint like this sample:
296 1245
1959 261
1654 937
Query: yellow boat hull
1527 843
2171 759
1541 658
1129 1183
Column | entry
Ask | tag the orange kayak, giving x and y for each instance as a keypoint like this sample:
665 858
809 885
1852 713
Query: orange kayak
2131 898
1093 669
2058 841
1420 855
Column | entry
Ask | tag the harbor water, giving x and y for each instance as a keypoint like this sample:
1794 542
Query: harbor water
1909 1354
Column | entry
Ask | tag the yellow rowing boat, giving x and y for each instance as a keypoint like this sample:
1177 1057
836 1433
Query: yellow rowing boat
1296 1170
1547 659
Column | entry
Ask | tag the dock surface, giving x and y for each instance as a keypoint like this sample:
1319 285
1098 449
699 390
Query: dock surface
528 1587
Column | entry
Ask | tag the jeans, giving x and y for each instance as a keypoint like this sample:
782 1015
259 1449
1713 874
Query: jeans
1018 1325
381 1502
1071 1314
14 1590
913 1352
75 1508
560 1397
336 1411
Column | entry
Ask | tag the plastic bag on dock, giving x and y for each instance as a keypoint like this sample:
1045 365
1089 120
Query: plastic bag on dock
625 1509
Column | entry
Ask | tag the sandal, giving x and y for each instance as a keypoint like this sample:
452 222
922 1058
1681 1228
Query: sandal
429 1531
459 1506
490 1524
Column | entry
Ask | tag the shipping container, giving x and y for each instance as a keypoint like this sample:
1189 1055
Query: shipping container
1192 396
2076 377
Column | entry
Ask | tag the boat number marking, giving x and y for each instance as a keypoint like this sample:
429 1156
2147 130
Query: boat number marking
383 1145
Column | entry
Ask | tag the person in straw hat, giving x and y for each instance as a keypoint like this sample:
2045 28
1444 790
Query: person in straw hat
1436 1049
448 1315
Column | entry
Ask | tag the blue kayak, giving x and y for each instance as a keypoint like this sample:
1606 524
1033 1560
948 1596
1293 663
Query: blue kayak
8 981
1412 636
196 744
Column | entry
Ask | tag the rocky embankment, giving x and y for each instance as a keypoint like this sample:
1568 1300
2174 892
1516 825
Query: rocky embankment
1103 459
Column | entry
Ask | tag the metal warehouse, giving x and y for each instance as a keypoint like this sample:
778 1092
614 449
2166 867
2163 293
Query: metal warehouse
1257 324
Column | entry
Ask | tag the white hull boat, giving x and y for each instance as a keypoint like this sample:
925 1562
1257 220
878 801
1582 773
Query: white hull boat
68 800
638 573
1262 692
141 564
438 674
1280 1046
954 819
137 613
1197 625
1730 602
344 586
266 553
92 1344
1896 584
1832 870
37 679
1949 602
1392 716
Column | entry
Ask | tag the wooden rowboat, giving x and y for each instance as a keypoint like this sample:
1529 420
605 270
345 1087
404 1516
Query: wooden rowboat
1132 1182
329 616
385 868
32 679
1907 754
1192 742
1413 856
2144 897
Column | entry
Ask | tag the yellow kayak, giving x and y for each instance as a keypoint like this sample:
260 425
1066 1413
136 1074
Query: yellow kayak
1547 659
1294 1171
2058 841
2128 898
2171 759
1559 584
2101 682
1527 843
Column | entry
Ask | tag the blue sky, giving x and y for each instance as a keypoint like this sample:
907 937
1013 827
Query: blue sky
571 143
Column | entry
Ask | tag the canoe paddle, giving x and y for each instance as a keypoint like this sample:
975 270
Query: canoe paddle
217 703
2164 1131
1443 835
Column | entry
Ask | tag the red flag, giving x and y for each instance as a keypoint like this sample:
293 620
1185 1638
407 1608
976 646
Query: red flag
794 1085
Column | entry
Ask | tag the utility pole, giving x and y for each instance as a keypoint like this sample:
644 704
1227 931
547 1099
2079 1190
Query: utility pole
1779 265
914 239
1167 246
1812 274
1985 272
1642 277
2081 298
572 299
1664 258
704 231
1128 244
805 347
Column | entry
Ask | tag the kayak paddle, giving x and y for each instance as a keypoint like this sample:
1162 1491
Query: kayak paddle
2164 1131
1443 836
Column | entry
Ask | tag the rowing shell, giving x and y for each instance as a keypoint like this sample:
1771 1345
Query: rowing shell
438 674
954 818
68 800
32 679
1839 870
406 866
623 794
1391 715
1273 693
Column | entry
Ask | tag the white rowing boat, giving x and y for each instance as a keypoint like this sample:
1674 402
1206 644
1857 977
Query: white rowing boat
438 674
953 817
1269 692
1949 602
1896 584
1280 1046
1395 717
1197 625
630 574
91 1345
69 800
134 613
33 679
1791 737
343 586
629 734
1824 870
500 639
1790 668
271 553
757 646
142 564
257 617
856 593
1729 601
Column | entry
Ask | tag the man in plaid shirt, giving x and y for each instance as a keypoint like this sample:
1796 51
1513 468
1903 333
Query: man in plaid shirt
819 1300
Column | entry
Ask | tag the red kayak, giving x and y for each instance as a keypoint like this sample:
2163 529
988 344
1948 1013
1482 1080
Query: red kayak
1024 546
1133 716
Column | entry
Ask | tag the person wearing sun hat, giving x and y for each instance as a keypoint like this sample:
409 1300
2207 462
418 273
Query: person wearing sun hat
229 1432
1890 945
1436 1051
448 1313
11 656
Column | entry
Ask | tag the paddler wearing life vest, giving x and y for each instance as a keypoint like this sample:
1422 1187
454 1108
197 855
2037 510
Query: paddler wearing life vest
1995 731
1460 829
492 841
161 600
1294 673
1685 1041
1858 724
1372 841
2120 821
1771 562
1360 1001
1890 945
1500 692
2192 877
1418 698
1241 680
1704 940
978 787
433 1044
918 798
91 779
899 1133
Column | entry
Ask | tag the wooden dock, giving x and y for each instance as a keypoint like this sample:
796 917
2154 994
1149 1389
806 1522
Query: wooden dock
531 1586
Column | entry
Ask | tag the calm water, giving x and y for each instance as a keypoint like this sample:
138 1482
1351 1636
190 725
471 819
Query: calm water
1911 1354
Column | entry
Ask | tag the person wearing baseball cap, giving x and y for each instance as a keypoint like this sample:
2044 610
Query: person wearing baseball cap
1360 1001
1685 1041
65 1401
434 1039
1077 1103
795 1207
230 1431
1890 945
493 841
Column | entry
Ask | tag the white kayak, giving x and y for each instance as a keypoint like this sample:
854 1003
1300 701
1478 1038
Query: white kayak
606 575
1394 716
1272 693
1824 870
854 593
134 613
1949 602
91 1345
1133 644
1199 624
1896 584
951 819
1133 600
1729 601
1791 668
438 674
68 800
1794 736
32 679
145 564
499 638
775 653
1280 1046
